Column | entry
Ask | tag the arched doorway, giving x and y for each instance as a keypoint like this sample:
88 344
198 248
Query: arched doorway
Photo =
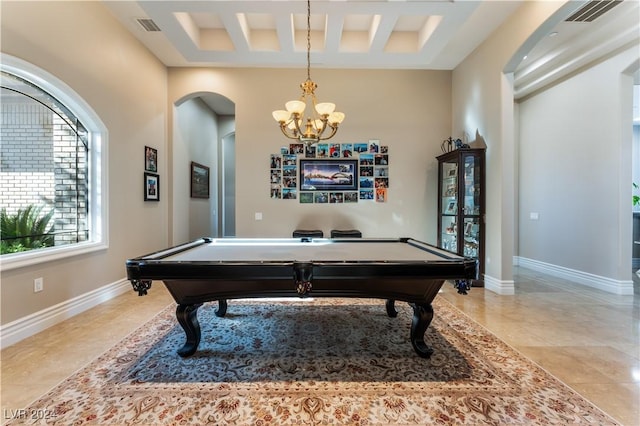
204 138
572 158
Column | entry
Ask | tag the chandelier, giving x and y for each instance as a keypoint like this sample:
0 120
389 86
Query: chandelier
312 130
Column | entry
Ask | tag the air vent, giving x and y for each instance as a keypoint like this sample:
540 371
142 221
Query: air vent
148 25
593 10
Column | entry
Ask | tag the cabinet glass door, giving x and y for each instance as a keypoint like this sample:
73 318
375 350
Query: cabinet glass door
471 235
449 236
471 206
448 215
471 184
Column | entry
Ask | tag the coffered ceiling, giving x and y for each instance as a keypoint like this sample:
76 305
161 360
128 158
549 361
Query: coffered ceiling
344 34
358 34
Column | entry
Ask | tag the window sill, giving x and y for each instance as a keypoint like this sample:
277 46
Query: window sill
37 257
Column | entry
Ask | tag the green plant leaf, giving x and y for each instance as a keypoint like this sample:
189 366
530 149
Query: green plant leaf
26 229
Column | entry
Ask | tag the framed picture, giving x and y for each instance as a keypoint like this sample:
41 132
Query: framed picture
468 228
199 181
151 187
452 207
331 175
150 159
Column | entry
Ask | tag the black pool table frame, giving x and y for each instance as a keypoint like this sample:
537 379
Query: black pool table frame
192 283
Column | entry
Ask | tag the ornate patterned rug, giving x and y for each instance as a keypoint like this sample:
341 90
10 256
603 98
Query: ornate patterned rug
314 362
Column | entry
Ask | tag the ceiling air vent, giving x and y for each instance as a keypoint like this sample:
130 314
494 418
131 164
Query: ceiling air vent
593 10
148 25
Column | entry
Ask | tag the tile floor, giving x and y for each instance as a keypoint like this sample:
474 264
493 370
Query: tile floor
587 338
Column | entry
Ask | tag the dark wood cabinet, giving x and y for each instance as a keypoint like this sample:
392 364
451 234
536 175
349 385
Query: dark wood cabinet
461 204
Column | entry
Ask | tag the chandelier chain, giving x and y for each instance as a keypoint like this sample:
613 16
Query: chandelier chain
323 115
308 39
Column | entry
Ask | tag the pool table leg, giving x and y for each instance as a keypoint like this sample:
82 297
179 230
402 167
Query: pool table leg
188 318
390 304
422 316
222 308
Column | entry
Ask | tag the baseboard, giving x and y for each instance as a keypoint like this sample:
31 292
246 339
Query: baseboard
502 287
623 288
24 327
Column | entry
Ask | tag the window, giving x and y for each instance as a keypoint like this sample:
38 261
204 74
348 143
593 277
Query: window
51 168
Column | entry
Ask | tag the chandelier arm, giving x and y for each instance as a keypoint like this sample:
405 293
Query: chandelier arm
334 129
320 131
283 128
296 118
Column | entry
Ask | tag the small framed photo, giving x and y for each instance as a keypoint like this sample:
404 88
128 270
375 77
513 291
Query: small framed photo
151 187
199 181
452 207
150 159
468 230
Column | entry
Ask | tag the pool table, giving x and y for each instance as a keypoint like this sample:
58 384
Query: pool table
211 269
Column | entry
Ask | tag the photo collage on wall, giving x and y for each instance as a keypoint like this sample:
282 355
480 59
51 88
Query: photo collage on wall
331 173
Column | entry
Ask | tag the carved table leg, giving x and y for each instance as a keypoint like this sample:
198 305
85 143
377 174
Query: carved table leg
141 286
188 318
222 308
302 276
422 316
390 304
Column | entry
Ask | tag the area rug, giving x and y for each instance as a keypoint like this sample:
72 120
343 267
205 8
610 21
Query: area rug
313 362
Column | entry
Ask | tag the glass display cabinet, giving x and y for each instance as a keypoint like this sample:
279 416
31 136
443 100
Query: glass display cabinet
461 206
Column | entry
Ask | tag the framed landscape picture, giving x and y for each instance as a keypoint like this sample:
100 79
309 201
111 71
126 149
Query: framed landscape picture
332 175
199 181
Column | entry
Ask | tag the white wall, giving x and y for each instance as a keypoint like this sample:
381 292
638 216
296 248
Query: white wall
85 47
195 139
407 110
575 172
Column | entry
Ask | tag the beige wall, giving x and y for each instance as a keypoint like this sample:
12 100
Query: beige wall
483 104
85 47
407 110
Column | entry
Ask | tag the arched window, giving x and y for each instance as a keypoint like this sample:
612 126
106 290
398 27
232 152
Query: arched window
51 168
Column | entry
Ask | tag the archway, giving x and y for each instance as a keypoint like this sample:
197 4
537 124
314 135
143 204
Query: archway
573 155
201 122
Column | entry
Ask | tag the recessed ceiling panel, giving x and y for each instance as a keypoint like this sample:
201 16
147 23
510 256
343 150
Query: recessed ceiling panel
215 40
410 23
355 41
402 42
261 21
264 41
206 20
358 32
357 23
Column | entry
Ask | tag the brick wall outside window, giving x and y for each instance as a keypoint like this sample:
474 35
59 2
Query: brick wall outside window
42 162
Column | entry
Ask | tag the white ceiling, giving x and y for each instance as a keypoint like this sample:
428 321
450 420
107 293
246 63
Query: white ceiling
357 34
